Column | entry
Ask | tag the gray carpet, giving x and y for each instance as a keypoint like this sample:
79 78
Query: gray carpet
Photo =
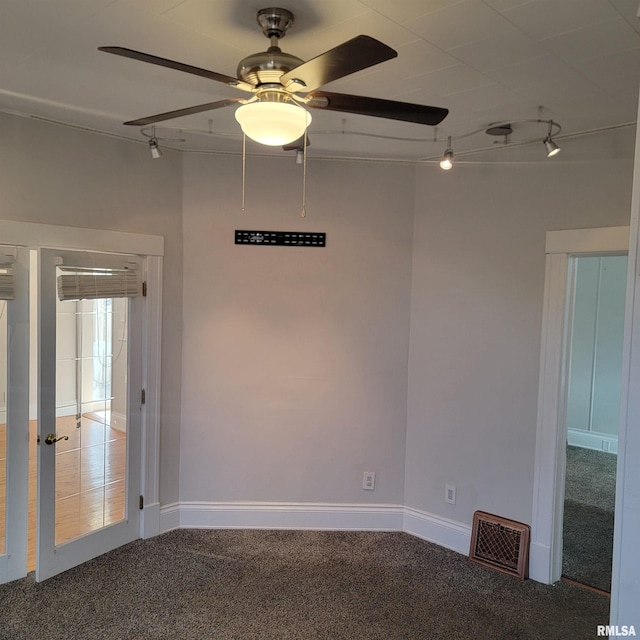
292 585
590 485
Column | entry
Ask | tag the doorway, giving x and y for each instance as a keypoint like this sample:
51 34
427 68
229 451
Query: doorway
546 550
75 431
596 304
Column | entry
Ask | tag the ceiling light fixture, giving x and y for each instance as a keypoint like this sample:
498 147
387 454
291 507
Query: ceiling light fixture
153 145
447 159
155 149
505 131
550 146
273 119
154 141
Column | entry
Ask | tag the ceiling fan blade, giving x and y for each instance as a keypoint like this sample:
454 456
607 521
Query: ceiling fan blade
178 113
353 55
178 66
377 107
296 145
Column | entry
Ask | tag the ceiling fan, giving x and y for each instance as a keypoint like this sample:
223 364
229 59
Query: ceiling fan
282 85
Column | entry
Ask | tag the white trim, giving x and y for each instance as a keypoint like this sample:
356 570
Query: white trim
150 521
592 440
548 498
598 240
118 421
169 517
33 235
151 372
13 564
279 515
317 516
546 522
441 531
626 560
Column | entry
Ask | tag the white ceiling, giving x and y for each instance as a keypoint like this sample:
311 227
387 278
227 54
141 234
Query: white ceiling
487 61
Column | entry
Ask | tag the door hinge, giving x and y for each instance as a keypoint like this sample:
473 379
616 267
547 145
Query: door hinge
144 289
143 396
141 503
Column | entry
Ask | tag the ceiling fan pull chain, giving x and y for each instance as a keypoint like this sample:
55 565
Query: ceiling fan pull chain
244 166
303 213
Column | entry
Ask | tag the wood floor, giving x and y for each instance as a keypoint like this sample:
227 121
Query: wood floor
90 479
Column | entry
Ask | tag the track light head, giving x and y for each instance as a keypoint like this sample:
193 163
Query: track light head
446 162
447 159
551 147
155 149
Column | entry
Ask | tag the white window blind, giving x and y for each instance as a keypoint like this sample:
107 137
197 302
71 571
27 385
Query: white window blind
7 285
7 291
89 284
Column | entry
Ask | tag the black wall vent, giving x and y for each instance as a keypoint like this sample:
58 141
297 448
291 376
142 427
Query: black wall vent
281 238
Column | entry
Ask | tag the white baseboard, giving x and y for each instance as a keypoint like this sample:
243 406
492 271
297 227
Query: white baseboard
591 440
150 521
169 517
441 531
276 515
356 517
118 421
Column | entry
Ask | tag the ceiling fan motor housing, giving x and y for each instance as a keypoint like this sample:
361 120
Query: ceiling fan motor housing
266 67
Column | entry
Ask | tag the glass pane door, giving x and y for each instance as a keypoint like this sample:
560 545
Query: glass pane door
89 460
91 410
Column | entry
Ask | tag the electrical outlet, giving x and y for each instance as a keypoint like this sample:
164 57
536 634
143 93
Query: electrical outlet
449 493
369 481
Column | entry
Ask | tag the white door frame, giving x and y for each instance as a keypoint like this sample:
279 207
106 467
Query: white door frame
39 236
13 564
548 498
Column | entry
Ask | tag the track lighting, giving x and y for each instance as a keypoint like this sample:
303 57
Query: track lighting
447 159
504 130
550 146
154 141
155 149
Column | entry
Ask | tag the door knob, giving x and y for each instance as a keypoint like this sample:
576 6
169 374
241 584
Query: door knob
51 438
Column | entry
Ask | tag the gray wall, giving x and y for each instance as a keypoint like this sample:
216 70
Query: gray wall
477 288
295 359
59 175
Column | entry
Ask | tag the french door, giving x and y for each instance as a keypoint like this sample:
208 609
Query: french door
14 412
89 407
